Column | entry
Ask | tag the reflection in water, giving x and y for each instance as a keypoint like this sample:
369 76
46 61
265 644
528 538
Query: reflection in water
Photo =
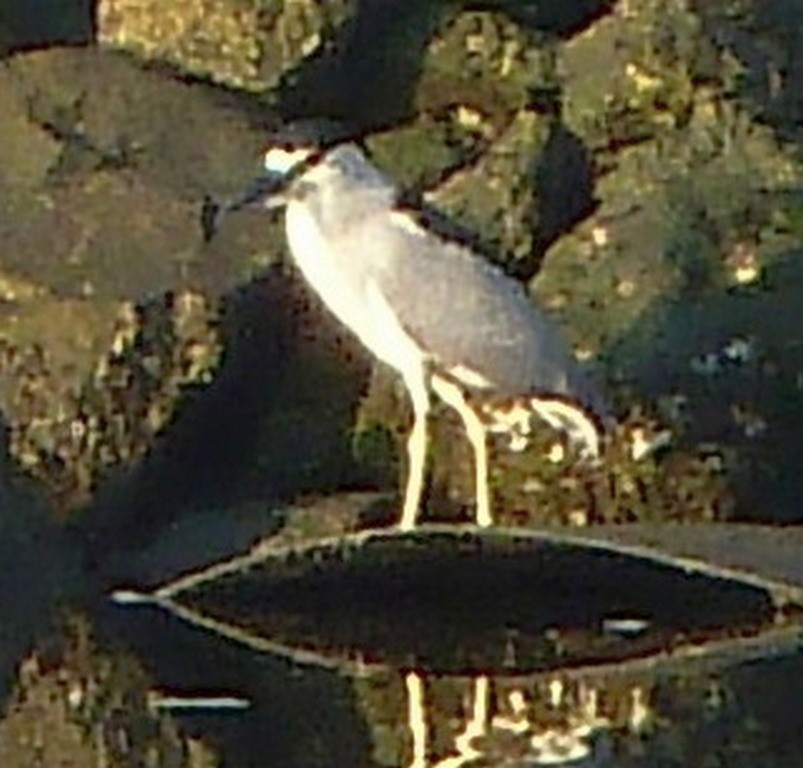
101 702
465 602
159 701
389 619
518 724
303 716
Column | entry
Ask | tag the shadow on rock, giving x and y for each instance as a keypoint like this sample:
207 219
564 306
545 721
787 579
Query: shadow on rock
563 176
37 23
40 569
764 40
562 19
296 716
274 423
733 359
369 75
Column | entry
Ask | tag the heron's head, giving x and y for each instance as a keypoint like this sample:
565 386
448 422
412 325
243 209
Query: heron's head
298 151
299 157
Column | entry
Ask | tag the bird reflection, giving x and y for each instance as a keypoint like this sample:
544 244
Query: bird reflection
507 724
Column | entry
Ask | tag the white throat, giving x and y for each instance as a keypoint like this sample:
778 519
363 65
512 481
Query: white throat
353 298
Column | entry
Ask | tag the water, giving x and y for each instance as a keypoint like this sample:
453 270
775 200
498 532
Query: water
448 648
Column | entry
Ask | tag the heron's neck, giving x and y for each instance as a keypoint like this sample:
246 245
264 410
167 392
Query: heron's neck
305 235
336 210
324 265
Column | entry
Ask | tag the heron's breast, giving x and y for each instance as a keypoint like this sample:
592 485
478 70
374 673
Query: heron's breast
339 271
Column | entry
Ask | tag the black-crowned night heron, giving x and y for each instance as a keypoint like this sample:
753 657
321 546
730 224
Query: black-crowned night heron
443 317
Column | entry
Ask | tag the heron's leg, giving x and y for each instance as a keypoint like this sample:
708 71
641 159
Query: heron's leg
416 448
416 718
453 396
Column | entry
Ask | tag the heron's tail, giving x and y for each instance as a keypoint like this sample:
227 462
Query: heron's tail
577 423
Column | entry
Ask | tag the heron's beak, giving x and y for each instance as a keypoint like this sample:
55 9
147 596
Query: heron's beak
267 192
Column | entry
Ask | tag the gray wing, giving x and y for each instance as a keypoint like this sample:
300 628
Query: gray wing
466 312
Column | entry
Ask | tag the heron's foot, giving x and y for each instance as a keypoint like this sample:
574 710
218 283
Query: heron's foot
483 518
409 519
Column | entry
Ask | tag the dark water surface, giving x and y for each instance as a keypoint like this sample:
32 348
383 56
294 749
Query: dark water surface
493 650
